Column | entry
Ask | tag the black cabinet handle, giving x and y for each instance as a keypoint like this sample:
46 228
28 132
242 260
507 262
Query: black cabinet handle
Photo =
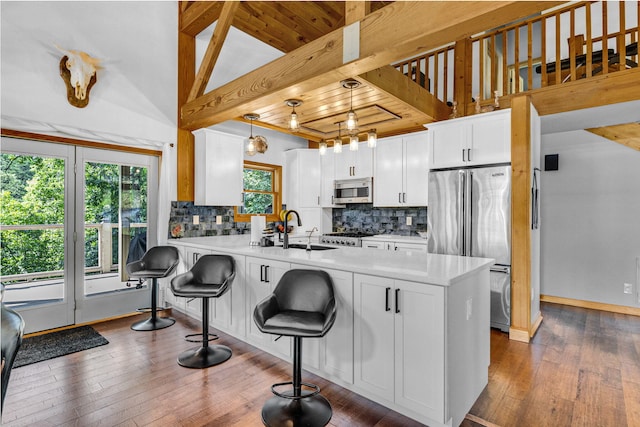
266 273
262 273
468 154
397 300
386 300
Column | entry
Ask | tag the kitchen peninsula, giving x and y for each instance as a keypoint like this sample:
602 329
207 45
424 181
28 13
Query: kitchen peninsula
412 331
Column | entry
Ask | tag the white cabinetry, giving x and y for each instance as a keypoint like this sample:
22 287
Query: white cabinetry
471 141
394 245
262 277
328 167
303 187
219 163
401 171
333 354
228 311
354 164
399 340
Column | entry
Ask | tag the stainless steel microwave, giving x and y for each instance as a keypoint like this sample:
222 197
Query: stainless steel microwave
357 190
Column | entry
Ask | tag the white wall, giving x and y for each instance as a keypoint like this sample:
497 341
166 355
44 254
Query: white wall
136 91
590 219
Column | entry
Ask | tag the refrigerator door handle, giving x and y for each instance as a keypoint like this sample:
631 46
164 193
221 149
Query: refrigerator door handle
468 227
461 213
500 269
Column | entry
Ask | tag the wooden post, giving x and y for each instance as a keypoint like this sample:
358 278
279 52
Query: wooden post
462 75
185 149
520 218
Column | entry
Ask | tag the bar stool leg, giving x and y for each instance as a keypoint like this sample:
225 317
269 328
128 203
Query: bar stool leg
204 356
154 322
299 410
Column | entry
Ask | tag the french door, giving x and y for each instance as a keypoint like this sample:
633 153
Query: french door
71 218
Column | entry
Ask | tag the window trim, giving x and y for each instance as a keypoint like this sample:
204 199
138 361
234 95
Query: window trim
277 192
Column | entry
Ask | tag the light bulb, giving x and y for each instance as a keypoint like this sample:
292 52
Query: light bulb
337 146
322 147
372 139
294 125
352 120
353 143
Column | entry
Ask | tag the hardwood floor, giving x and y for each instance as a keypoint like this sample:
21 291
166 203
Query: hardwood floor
581 369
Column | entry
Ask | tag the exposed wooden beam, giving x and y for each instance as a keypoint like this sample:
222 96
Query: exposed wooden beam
626 134
198 16
355 11
385 37
520 218
213 49
610 88
185 140
393 82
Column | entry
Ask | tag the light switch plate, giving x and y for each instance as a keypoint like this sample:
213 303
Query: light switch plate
196 219
409 220
218 219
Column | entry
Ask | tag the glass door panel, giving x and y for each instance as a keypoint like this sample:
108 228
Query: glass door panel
34 228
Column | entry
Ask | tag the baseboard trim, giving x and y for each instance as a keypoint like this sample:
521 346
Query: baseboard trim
93 322
519 335
536 325
480 421
621 309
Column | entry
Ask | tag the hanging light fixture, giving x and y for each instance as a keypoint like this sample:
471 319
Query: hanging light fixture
322 147
257 144
294 124
353 142
352 118
372 138
337 145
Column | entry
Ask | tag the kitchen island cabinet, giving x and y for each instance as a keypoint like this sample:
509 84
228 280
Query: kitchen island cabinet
412 333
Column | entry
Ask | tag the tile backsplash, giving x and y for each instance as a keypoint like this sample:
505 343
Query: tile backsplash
366 218
355 217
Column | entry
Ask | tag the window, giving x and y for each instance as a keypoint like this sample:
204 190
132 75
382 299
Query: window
262 192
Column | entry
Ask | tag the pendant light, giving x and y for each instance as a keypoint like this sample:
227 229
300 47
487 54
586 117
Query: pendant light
322 147
352 118
251 146
337 145
294 124
372 138
353 142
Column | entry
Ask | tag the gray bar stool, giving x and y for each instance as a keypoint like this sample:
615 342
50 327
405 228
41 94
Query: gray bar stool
12 331
157 263
302 305
210 277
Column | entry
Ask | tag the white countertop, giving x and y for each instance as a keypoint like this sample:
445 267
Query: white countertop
443 270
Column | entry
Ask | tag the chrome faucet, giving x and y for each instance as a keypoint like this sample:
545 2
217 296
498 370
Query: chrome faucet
309 237
285 239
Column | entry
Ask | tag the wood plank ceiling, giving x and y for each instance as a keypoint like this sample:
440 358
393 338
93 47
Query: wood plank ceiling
292 24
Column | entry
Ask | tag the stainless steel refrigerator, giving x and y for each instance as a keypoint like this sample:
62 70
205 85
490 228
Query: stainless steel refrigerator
469 214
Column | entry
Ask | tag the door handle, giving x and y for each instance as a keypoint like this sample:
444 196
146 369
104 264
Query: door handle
463 155
386 300
262 272
397 300
399 197
404 197
266 273
468 154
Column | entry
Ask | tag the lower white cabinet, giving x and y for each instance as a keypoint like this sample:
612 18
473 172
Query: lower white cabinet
262 276
399 343
333 354
228 312
399 246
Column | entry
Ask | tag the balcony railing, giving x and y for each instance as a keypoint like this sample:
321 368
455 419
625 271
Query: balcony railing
580 41
107 257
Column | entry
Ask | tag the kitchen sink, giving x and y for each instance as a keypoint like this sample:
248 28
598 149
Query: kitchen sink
313 247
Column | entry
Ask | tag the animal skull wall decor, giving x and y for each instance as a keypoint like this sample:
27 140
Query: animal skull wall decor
79 72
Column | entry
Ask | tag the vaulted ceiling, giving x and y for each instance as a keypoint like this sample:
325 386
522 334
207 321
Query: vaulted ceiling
312 37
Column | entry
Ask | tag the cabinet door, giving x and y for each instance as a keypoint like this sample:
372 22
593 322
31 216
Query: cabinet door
308 179
419 345
218 168
409 247
373 335
447 142
345 163
373 245
227 311
416 169
262 277
387 185
491 139
363 161
328 176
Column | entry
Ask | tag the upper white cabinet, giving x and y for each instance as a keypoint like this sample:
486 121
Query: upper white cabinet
218 168
401 171
471 141
303 180
354 164
328 166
